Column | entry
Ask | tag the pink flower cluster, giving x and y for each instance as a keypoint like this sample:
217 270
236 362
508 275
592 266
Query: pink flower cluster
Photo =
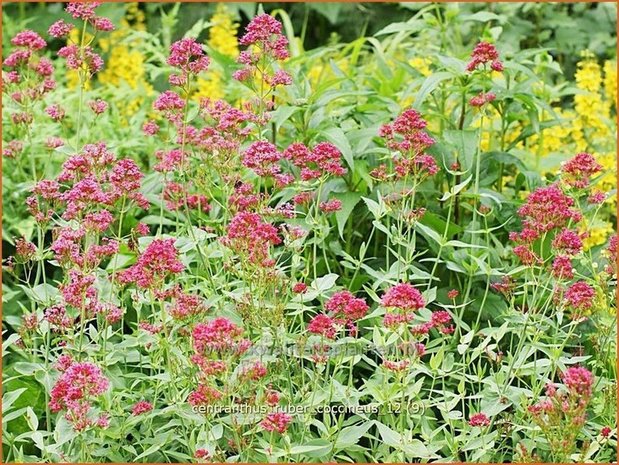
546 209
79 58
484 53
188 57
217 336
29 79
250 237
263 158
577 171
482 99
343 310
77 387
579 297
141 407
407 136
276 421
479 420
323 159
266 45
564 411
154 265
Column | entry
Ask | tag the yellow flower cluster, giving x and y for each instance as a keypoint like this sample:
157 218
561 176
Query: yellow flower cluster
553 139
610 81
222 34
223 39
421 64
592 107
589 125
596 233
125 62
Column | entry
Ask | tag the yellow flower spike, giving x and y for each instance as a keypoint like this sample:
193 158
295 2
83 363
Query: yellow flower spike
610 81
421 64
598 233
223 32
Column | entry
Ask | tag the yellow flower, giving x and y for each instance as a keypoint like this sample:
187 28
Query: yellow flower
552 139
222 33
210 86
597 233
223 39
589 74
125 63
421 64
610 81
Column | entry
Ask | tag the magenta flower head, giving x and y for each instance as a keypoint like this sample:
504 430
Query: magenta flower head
578 171
548 208
60 29
580 296
159 260
346 305
188 55
403 296
331 206
218 335
479 419
266 32
276 421
82 10
484 53
482 99
323 325
578 381
78 385
28 39
141 407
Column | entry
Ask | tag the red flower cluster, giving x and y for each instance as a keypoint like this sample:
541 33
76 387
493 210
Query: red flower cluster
577 171
218 335
266 45
158 261
249 236
579 297
276 421
407 136
479 420
482 99
188 56
565 411
323 159
485 53
74 392
343 310
141 407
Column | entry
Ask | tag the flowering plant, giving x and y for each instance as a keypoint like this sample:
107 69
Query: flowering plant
234 254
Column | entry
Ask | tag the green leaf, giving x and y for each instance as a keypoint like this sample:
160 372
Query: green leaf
390 437
350 435
10 397
456 189
31 418
326 282
349 200
429 85
465 142
337 137
282 114
316 448
151 450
